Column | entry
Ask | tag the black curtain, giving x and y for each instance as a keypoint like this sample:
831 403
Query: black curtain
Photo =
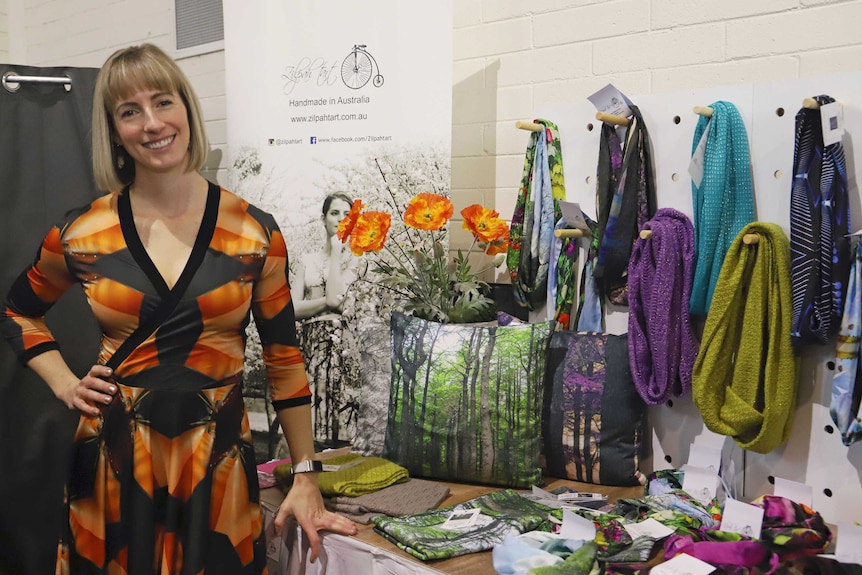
44 171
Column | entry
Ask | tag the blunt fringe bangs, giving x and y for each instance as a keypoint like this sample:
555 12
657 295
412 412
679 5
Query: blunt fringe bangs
144 67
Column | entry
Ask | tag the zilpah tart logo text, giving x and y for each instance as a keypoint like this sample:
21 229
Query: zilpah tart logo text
356 70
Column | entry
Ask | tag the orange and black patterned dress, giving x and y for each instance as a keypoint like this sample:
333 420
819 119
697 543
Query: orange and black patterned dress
164 482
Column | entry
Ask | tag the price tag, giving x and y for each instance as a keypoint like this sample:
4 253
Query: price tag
832 120
343 466
683 564
695 167
461 519
705 457
794 491
699 482
742 518
611 101
573 216
577 527
848 547
649 528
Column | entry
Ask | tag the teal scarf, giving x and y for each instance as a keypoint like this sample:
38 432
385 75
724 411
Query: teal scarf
744 378
724 202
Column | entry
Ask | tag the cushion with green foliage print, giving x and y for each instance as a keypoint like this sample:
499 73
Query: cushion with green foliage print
466 400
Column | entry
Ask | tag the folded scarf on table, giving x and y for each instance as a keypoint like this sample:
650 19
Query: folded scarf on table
844 405
819 224
662 344
502 512
370 474
408 498
790 531
724 202
744 378
625 199
536 212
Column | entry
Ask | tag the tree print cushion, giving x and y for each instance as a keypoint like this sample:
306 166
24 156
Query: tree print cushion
595 421
466 400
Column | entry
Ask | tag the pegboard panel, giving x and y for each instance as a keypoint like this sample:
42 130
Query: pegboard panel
813 454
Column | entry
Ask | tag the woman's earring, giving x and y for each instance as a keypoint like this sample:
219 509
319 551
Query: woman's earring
121 157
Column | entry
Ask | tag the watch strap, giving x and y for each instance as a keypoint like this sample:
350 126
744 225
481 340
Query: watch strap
306 466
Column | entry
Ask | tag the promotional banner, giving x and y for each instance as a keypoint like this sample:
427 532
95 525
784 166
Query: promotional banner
329 102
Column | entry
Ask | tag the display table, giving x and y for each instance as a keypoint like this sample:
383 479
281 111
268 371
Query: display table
369 553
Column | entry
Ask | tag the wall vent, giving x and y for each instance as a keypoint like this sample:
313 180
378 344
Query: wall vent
198 22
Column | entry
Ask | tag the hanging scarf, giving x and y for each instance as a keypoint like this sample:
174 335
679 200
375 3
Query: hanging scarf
625 199
662 345
819 224
844 407
590 300
536 211
724 202
744 379
564 271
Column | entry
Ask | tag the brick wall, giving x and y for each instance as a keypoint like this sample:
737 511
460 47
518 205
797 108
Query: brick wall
511 57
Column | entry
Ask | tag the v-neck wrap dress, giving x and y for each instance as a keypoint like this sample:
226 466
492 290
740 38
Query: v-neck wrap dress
164 481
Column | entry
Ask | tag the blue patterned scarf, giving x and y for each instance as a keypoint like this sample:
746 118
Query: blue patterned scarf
819 224
846 390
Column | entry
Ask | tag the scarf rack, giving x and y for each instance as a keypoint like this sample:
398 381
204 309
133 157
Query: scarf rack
530 126
612 119
747 239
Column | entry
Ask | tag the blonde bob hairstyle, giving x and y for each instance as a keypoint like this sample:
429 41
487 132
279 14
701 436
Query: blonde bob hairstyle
126 71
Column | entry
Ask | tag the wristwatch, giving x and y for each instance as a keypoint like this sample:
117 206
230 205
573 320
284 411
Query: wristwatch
306 466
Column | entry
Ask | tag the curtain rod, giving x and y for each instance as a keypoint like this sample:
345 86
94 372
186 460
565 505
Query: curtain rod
13 78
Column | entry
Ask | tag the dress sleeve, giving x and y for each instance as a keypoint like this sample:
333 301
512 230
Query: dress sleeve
22 321
272 307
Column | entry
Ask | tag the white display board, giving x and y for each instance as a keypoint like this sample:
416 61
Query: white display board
814 454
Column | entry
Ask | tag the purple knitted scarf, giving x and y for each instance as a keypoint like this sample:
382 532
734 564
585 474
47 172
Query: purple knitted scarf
662 345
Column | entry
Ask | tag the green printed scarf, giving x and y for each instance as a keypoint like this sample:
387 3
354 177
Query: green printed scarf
536 211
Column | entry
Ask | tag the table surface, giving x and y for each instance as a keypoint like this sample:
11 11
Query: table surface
473 563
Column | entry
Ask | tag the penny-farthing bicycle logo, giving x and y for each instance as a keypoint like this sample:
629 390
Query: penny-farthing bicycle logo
359 67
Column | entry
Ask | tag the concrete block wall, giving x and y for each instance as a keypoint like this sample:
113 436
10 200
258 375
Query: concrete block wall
85 32
509 58
513 57
4 32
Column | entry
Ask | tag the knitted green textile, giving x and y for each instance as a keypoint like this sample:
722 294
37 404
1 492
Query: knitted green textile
370 475
744 379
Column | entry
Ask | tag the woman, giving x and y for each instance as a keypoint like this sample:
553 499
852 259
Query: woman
163 472
322 277
320 284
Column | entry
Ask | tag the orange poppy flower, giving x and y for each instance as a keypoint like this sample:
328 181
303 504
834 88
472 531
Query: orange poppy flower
369 232
484 223
498 246
428 211
345 226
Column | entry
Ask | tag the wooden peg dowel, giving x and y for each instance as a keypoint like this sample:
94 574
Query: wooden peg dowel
612 119
703 111
810 103
750 239
569 233
531 126
645 234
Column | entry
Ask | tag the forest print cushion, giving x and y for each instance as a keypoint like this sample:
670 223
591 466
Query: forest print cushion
466 401
595 421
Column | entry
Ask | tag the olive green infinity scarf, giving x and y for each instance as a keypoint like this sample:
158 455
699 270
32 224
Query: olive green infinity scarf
744 379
